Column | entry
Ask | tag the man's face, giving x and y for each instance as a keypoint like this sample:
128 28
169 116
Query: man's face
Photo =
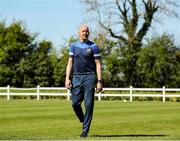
83 33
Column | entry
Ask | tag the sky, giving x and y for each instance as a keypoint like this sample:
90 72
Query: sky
58 20
54 20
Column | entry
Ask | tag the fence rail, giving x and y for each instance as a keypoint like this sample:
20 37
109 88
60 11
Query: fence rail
113 92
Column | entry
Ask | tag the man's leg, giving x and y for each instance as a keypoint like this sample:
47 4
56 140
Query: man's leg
79 112
77 98
89 88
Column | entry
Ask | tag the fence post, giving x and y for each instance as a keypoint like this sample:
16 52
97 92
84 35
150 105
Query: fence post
38 95
8 92
99 96
68 94
164 96
131 93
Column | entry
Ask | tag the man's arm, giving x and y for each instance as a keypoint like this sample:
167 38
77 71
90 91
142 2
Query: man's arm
68 84
99 75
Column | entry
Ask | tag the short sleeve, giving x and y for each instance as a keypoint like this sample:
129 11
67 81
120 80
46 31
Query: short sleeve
96 51
71 51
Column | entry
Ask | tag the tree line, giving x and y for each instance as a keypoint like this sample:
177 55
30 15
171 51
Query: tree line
27 62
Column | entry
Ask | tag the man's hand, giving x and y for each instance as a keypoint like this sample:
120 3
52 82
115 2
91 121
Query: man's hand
99 87
68 84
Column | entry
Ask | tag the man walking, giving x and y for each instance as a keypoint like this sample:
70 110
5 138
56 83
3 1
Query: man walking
83 74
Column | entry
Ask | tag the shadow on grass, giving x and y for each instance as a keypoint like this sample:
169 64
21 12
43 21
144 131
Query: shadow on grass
135 135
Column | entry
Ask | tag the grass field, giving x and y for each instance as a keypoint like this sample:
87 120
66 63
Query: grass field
113 120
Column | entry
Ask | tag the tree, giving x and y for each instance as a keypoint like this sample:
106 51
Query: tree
26 71
158 63
37 67
15 44
24 62
43 69
128 21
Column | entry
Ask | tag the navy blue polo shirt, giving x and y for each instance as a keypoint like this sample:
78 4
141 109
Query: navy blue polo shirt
84 55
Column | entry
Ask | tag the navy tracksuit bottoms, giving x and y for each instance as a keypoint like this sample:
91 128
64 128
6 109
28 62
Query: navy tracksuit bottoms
83 88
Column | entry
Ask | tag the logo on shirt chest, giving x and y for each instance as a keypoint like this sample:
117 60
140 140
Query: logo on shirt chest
89 51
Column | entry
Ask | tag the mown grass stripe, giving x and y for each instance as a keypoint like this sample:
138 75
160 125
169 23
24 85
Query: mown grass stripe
113 120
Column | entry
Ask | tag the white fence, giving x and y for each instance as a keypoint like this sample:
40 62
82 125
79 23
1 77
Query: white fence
113 92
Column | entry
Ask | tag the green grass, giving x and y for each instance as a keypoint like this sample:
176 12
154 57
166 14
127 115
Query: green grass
112 120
